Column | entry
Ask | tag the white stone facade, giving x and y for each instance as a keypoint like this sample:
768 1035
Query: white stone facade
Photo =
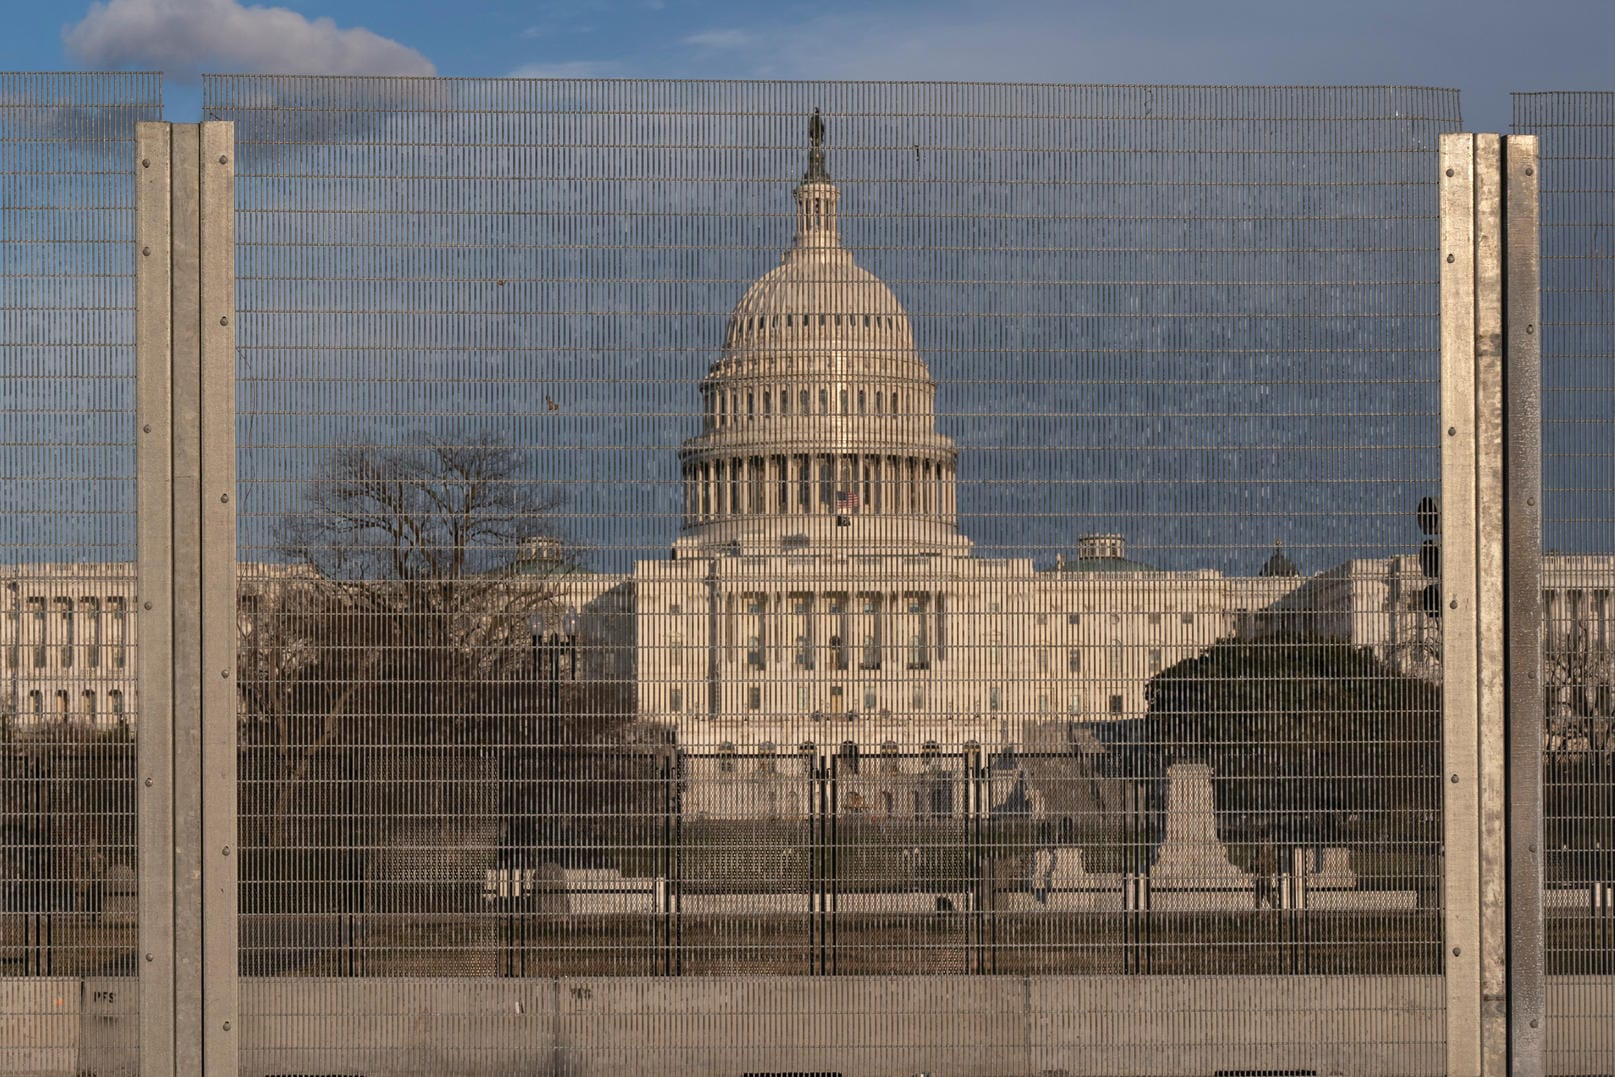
821 593
67 644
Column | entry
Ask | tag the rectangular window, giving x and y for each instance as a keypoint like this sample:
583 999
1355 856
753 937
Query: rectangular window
870 702
64 611
675 609
675 700
801 697
1042 659
1155 661
36 630
1042 703
119 632
91 608
1073 705
1073 660
1155 618
1187 618
995 698
918 699
1115 704
1071 618
754 698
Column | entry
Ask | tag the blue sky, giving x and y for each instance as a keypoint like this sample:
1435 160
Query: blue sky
1483 47
1472 46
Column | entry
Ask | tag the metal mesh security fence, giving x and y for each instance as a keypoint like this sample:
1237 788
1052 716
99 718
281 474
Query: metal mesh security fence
855 577
1578 570
68 712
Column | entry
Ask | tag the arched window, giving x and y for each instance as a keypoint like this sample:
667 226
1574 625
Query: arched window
916 652
61 705
860 401
871 654
115 704
751 406
838 659
879 407
785 402
766 754
768 402
803 653
36 705
675 652
802 401
824 397
87 706
754 652
847 757
726 758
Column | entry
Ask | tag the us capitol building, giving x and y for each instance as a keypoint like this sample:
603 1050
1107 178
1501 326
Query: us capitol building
820 598
821 592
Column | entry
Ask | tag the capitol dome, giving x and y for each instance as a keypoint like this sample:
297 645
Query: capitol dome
818 415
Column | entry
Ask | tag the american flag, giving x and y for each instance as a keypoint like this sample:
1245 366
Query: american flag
847 501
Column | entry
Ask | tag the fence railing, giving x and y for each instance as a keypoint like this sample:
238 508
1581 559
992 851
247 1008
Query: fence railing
1090 604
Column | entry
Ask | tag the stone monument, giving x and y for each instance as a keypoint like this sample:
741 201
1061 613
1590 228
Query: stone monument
1192 860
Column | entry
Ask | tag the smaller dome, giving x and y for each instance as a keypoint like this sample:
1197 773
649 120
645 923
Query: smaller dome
1278 564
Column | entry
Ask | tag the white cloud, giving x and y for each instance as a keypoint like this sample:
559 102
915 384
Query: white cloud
569 69
184 37
720 39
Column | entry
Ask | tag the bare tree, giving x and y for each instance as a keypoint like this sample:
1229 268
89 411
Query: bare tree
1579 688
403 613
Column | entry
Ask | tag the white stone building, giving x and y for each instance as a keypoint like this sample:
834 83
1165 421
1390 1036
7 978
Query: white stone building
820 597
67 639
821 593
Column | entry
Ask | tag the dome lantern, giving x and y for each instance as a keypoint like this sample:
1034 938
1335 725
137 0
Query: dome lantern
816 196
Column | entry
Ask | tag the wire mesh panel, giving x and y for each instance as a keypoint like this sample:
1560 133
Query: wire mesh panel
857 578
68 712
1578 569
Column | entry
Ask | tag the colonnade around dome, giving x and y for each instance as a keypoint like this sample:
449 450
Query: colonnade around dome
818 484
